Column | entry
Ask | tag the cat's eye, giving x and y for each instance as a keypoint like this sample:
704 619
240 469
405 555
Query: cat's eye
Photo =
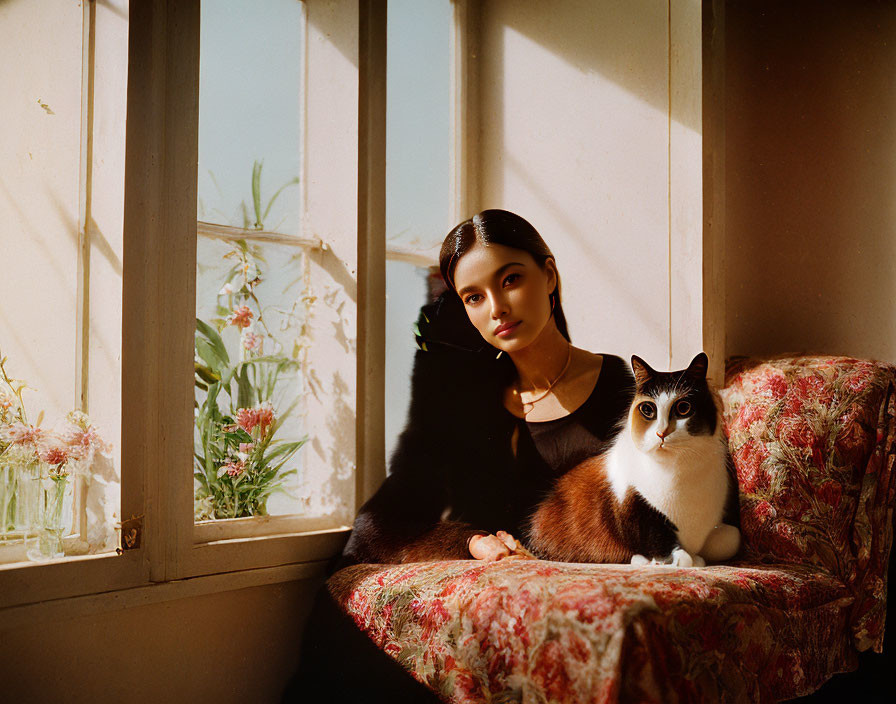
647 409
683 408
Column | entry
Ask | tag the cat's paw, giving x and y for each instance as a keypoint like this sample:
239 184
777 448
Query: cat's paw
681 558
639 560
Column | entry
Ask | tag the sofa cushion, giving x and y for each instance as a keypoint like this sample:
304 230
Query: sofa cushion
520 630
812 439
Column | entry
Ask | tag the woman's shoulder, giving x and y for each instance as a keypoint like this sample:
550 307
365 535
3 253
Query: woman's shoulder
604 368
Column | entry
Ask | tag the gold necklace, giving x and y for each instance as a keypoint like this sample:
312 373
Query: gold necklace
550 386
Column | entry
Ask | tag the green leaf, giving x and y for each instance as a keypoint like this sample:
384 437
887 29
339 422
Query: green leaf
244 389
209 376
256 194
283 449
279 191
215 341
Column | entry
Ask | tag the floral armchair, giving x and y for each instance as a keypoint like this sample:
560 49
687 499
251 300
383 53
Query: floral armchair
814 443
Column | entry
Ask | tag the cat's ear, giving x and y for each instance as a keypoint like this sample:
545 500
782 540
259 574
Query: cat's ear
642 370
698 366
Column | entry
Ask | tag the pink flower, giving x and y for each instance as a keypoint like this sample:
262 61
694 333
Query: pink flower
247 447
82 443
21 434
54 455
261 416
234 469
253 342
241 317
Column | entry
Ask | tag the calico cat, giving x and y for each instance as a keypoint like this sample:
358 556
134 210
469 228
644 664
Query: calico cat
662 490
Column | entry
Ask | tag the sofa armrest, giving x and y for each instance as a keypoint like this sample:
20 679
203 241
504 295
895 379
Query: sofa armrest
813 440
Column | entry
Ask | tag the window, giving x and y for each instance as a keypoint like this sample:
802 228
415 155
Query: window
419 211
258 293
62 179
160 288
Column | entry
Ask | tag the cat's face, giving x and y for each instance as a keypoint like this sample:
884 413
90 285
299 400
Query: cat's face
671 409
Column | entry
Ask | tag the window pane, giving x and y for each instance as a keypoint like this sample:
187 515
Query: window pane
250 114
61 204
253 287
418 179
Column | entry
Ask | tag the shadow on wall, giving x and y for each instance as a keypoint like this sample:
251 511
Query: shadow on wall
574 136
614 38
811 178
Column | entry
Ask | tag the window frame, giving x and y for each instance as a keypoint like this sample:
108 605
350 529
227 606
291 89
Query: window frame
345 154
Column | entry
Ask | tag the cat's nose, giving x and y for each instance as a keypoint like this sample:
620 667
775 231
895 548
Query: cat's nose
662 435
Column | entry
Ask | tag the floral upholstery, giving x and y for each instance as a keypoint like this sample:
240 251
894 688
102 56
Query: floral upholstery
812 441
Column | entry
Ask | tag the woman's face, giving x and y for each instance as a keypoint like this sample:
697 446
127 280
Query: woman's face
505 293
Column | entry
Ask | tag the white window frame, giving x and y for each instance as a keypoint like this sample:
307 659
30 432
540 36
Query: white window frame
344 207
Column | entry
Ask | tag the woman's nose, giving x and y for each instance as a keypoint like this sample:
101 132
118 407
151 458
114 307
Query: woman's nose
498 306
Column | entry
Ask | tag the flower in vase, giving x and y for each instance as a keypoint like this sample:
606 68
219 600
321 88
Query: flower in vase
57 458
22 434
6 401
226 289
81 437
241 317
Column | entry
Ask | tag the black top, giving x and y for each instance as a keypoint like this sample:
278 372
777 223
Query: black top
548 449
454 474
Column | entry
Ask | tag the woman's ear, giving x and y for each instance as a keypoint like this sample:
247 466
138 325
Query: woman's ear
550 269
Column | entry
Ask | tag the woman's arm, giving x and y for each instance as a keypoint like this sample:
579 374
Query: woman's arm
402 523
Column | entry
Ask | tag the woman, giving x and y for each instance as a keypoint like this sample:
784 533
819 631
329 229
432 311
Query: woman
501 405
493 424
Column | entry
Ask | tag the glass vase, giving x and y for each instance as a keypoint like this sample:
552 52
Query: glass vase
52 519
8 482
27 494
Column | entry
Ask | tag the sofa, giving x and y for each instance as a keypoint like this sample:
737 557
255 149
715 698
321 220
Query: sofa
813 441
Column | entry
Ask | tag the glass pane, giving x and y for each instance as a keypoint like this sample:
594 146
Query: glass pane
61 205
418 179
418 125
406 291
253 291
250 114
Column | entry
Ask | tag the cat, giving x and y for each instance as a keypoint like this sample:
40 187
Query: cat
663 493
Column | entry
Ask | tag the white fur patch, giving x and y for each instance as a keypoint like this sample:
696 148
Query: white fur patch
684 476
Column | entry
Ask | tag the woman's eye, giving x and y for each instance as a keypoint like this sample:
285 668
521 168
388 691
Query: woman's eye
511 279
683 408
472 299
648 410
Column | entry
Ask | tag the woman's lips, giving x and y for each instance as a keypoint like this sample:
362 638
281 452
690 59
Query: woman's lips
505 330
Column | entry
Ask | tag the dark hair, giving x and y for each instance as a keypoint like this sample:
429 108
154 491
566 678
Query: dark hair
505 228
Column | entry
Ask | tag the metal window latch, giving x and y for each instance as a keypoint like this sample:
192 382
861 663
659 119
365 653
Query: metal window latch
131 533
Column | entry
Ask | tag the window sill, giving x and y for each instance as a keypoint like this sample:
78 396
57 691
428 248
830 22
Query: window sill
92 604
33 584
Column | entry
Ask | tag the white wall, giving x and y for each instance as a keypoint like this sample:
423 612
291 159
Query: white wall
575 138
39 204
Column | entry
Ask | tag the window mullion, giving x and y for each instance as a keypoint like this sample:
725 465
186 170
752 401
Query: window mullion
160 279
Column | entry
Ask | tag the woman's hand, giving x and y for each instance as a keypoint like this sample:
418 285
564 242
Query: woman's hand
496 547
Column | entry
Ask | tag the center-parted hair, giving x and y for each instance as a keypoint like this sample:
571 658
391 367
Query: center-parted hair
504 228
